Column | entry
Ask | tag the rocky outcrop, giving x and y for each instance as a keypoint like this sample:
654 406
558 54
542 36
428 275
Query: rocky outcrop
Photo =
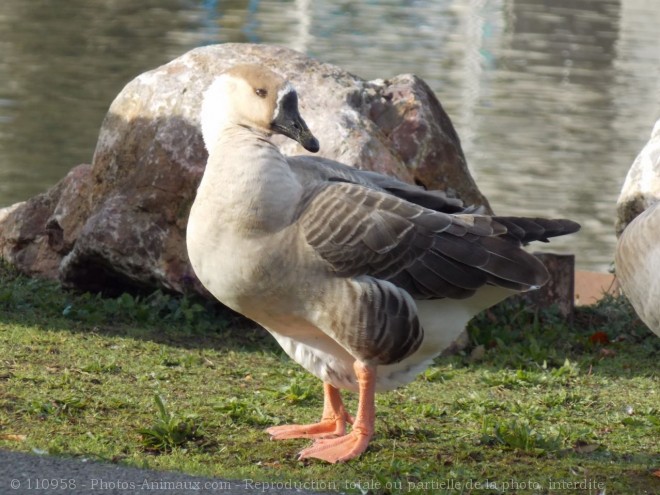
121 221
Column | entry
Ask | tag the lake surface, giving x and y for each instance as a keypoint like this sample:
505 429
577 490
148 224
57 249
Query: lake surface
552 99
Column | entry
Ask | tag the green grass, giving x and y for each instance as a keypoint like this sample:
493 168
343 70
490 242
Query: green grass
175 383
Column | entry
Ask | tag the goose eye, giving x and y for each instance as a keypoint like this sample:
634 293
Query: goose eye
261 92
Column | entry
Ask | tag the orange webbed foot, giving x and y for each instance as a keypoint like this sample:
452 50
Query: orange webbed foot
332 443
323 429
350 446
332 424
339 449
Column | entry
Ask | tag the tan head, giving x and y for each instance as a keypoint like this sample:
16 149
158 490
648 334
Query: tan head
255 97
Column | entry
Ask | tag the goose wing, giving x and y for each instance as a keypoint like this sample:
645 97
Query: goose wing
360 231
310 169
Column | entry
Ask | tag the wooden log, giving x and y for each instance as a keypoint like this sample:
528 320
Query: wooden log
560 289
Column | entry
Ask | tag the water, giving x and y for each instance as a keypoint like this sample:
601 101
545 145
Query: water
552 99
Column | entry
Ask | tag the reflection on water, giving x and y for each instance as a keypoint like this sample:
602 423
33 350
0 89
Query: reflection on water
61 64
552 99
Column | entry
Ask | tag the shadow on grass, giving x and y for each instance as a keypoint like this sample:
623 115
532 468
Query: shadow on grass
189 322
607 338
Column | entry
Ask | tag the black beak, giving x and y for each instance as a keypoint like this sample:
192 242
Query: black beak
289 122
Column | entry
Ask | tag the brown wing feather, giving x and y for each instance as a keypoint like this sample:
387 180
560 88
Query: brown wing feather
309 169
361 231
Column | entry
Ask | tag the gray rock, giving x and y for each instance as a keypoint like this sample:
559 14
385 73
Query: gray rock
121 221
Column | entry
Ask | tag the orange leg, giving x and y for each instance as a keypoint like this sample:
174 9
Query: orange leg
333 422
349 446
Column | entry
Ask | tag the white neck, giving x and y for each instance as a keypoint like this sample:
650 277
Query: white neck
217 112
245 170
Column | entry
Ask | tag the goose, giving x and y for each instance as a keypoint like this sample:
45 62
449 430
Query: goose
361 278
637 254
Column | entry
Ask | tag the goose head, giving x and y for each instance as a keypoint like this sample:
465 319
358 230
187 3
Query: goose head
255 97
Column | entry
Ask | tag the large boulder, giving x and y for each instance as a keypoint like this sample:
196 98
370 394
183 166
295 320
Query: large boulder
121 221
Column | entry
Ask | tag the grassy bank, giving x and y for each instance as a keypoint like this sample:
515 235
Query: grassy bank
168 383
